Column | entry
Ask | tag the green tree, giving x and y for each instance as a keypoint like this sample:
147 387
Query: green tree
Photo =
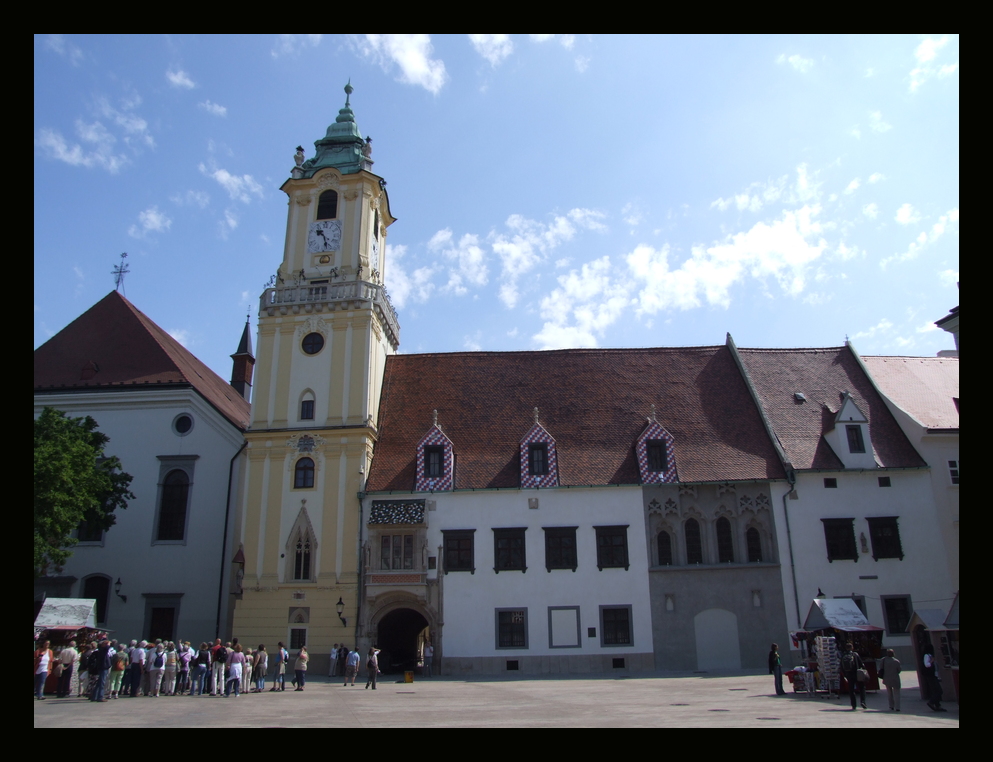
73 482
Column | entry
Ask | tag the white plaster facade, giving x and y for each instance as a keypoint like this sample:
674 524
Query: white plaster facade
187 575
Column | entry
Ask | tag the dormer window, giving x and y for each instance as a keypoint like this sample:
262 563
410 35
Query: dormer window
855 441
435 463
538 459
434 457
656 457
327 206
655 449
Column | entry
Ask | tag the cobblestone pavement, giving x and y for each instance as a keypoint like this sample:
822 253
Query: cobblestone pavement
662 700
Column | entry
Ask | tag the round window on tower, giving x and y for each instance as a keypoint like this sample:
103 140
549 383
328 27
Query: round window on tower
182 424
313 343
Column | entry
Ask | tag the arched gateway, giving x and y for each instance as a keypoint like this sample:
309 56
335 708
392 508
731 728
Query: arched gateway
400 636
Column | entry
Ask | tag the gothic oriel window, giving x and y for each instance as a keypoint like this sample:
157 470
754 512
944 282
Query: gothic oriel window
396 552
301 559
754 542
725 545
694 547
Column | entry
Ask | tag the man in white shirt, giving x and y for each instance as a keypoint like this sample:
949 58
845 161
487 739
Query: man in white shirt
68 657
138 657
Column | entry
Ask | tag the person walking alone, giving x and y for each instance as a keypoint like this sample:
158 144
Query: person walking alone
372 665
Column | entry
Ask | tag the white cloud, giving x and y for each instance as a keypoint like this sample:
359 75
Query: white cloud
530 241
853 186
848 252
948 277
876 122
231 218
632 214
582 63
180 79
798 62
180 335
950 218
403 287
135 128
871 211
150 221
411 53
468 257
287 44
927 327
63 47
584 305
926 68
99 152
493 47
883 326
240 188
855 132
876 177
214 108
565 40
471 343
907 215
191 198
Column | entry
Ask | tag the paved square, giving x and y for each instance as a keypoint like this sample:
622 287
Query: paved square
663 700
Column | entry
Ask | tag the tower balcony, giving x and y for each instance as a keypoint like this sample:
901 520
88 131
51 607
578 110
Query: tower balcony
352 295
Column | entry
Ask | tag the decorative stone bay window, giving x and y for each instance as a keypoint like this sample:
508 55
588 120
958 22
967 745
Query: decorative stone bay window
396 552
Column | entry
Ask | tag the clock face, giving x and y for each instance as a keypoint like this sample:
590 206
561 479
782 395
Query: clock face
324 235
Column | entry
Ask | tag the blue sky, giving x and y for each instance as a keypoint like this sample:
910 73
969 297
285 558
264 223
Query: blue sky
551 190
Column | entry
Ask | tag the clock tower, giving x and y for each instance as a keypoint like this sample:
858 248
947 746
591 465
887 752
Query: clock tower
325 328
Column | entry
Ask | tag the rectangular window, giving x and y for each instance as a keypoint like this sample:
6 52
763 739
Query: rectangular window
611 547
615 626
953 471
538 459
656 455
512 628
459 555
298 638
434 459
174 498
885 536
560 548
884 481
831 483
397 552
508 550
307 410
896 611
855 441
839 534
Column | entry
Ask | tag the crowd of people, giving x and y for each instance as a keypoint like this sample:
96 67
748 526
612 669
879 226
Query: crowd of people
107 670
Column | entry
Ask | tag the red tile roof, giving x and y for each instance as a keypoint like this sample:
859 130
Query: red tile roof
822 375
593 402
114 344
925 387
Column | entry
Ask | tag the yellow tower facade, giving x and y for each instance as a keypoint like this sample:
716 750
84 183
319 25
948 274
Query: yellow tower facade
325 328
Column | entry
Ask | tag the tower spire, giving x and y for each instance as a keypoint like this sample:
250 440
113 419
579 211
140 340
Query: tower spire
242 362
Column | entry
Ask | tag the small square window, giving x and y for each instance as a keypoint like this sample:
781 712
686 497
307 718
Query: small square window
831 483
538 459
434 459
508 550
896 612
611 547
512 628
615 625
884 481
855 441
655 449
839 535
885 535
459 555
560 548
953 471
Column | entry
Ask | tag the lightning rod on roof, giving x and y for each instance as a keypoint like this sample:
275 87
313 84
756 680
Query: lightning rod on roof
119 272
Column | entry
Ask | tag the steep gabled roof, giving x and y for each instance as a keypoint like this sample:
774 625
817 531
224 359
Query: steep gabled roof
822 376
925 387
115 345
596 401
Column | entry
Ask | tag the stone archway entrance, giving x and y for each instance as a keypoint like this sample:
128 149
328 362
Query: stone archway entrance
399 636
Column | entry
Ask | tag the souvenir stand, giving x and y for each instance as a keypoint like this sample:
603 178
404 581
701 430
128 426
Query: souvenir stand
842 621
941 630
62 620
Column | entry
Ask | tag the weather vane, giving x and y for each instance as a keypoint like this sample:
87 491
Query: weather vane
119 272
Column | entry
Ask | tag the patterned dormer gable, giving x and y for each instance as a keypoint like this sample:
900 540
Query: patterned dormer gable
435 461
656 454
539 459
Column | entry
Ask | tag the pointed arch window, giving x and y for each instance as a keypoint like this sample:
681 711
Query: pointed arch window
725 544
694 547
301 558
301 550
303 474
665 548
754 542
327 205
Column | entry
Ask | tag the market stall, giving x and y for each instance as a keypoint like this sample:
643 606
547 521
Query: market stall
835 622
62 620
939 629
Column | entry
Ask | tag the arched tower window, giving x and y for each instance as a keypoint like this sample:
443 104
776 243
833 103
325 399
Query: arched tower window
665 548
327 205
307 406
694 548
754 542
303 474
725 545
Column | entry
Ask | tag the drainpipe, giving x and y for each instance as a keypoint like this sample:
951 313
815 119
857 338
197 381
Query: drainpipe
224 540
791 479
361 570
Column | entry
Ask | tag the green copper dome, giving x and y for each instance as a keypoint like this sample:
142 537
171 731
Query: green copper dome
341 147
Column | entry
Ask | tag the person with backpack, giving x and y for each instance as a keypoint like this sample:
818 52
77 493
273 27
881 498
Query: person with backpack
279 676
99 666
218 657
851 665
198 670
260 666
118 666
156 668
